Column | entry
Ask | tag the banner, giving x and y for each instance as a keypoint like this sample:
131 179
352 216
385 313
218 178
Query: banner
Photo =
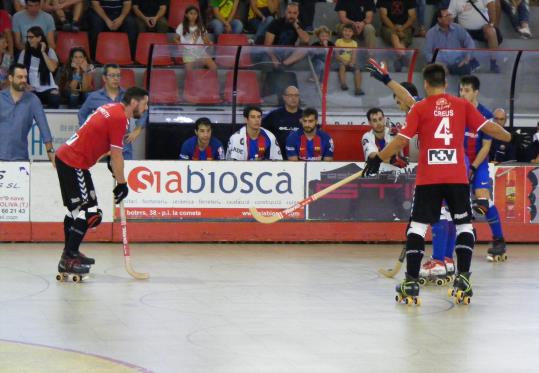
385 197
14 191
517 194
178 190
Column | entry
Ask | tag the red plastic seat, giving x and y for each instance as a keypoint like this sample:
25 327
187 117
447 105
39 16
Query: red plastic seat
127 78
68 40
164 88
201 87
177 10
160 57
226 54
113 47
248 90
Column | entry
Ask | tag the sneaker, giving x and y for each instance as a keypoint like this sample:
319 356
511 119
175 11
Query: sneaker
494 68
474 65
525 32
67 26
75 27
344 87
359 92
433 268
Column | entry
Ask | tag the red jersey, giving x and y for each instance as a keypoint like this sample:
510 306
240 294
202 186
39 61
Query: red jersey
105 128
440 122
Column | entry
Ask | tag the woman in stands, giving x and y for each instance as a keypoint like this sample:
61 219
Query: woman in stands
76 78
192 31
41 62
5 60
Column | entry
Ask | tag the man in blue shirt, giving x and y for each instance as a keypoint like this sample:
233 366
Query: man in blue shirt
202 146
309 143
501 151
285 119
448 35
477 148
18 110
112 92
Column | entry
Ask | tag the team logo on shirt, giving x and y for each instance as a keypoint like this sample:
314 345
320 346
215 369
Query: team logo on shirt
442 156
442 104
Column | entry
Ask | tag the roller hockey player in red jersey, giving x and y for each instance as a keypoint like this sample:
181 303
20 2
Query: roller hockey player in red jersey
439 121
102 132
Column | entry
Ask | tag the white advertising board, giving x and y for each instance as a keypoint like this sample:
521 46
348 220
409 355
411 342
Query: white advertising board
14 191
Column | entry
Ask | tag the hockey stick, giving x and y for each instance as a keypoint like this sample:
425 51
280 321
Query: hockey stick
127 251
391 272
283 213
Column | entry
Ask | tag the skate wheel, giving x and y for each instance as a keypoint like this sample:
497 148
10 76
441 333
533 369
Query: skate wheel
440 282
398 298
467 300
409 301
422 281
504 257
76 278
450 292
497 258
59 277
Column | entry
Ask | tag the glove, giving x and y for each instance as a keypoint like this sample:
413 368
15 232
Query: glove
471 174
120 191
109 166
398 161
372 166
378 71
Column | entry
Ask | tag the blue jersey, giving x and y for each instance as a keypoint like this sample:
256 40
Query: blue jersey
190 150
320 147
473 141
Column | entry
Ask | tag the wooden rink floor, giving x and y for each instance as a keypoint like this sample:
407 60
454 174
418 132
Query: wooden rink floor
250 308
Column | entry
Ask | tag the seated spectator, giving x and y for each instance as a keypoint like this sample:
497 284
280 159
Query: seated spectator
151 15
202 146
30 17
6 59
6 30
519 14
398 18
59 8
348 59
192 31
449 35
224 17
479 22
318 59
261 14
421 6
501 151
285 119
309 143
252 142
112 92
112 15
76 77
41 62
360 14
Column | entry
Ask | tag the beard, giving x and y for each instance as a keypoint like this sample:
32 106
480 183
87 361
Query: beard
309 129
136 113
20 87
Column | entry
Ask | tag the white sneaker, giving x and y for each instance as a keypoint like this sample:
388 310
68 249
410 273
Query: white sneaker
525 32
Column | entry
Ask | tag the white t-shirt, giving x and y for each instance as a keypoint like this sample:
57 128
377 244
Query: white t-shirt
192 37
33 73
468 17
237 149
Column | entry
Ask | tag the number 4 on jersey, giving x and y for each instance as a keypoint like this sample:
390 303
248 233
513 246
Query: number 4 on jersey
443 131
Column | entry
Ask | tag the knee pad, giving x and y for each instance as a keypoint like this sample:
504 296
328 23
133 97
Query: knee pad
415 244
94 216
419 229
481 206
465 237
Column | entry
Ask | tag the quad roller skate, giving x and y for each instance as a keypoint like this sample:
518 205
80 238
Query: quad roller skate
450 268
462 289
433 272
408 291
496 253
85 260
71 268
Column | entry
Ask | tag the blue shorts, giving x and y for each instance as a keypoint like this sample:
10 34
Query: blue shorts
482 179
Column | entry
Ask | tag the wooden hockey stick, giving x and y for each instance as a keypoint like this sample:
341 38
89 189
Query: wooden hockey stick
282 214
127 251
391 272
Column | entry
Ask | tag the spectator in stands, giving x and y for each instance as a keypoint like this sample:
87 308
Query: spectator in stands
309 143
261 14
151 15
203 146
19 108
76 77
59 8
252 142
5 29
306 12
348 59
519 14
360 14
112 92
501 151
285 119
421 6
398 18
478 18
30 17
323 34
224 17
192 31
112 15
285 32
448 35
41 62
5 61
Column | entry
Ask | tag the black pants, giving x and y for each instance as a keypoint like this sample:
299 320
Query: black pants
97 25
306 13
